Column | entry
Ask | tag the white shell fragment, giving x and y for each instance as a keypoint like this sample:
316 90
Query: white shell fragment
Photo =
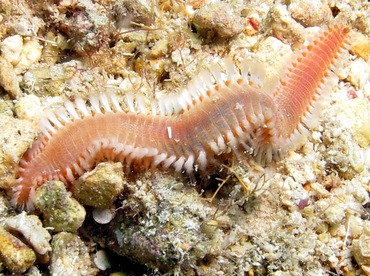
101 260
103 216
31 228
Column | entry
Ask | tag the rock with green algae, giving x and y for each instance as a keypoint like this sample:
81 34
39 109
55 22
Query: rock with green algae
70 256
59 209
100 187
14 254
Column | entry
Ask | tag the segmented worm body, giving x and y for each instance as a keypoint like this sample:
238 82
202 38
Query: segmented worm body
224 109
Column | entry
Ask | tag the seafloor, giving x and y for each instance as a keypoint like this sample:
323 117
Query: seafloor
306 214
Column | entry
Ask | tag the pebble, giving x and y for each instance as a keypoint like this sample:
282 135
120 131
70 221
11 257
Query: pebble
218 18
100 187
17 55
60 210
334 214
28 107
11 49
70 256
14 254
359 111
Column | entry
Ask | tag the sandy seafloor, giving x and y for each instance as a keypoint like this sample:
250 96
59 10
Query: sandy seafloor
306 214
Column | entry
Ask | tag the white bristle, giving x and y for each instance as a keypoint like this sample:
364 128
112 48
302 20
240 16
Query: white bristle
141 103
94 102
105 102
189 164
69 175
168 162
115 102
51 116
71 109
130 102
81 105
158 159
179 164
202 160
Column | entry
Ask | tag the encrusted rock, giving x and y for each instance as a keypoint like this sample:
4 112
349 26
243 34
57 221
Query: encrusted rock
284 27
218 18
344 135
359 73
157 225
60 210
135 11
31 228
100 187
31 53
361 252
274 53
359 111
15 136
14 254
8 78
310 12
85 23
17 55
301 169
70 256
27 26
360 45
